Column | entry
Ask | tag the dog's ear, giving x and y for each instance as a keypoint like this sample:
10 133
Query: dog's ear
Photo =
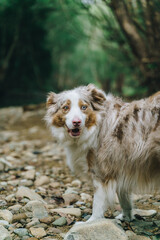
51 99
97 96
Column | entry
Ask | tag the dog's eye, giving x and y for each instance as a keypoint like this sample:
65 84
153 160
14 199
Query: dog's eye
83 107
65 108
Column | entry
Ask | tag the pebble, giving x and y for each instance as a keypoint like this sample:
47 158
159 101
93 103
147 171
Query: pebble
70 198
145 213
42 180
76 183
29 193
21 232
54 184
53 230
3 203
26 183
71 190
47 220
6 215
10 197
60 221
37 208
15 208
32 223
4 223
4 234
38 232
86 197
71 211
19 217
30 174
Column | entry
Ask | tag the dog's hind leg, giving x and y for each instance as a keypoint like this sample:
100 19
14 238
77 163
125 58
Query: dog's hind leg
104 197
126 205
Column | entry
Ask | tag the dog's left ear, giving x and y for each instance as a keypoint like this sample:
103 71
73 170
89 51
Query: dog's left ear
97 96
51 99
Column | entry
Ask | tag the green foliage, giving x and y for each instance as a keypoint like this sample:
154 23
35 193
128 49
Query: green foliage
25 60
55 45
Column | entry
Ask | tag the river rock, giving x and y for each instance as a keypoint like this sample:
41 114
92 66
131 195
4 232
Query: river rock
21 232
96 230
70 198
6 215
29 193
4 223
38 232
4 234
86 197
71 211
60 221
37 208
42 180
145 213
76 183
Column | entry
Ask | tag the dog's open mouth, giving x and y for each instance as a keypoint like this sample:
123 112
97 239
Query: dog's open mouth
75 132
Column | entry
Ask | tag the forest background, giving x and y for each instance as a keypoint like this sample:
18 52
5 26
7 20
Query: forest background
52 45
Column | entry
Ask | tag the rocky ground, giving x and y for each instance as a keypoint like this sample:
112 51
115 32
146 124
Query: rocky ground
40 199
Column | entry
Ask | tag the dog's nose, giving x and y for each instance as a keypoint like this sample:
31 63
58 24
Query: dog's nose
76 122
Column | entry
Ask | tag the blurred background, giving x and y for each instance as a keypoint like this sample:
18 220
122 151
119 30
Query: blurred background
52 45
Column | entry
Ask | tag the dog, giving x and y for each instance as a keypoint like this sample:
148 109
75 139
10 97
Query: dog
115 142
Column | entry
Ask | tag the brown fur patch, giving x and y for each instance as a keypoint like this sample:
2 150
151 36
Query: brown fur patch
50 100
135 113
91 118
90 160
117 106
158 120
59 117
126 118
97 96
118 132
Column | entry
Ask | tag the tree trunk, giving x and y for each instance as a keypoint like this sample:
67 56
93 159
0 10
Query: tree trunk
144 46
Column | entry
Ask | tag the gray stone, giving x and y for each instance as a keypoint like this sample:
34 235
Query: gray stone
100 229
37 208
21 232
4 234
71 211
4 223
145 213
60 221
6 215
42 180
29 193
38 232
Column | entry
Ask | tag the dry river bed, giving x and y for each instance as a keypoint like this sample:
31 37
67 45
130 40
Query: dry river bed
39 197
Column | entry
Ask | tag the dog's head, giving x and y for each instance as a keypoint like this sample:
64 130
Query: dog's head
75 110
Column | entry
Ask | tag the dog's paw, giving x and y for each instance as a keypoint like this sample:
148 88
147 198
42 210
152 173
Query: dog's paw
125 218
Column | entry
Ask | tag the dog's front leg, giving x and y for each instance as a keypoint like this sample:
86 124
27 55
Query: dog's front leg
103 198
99 202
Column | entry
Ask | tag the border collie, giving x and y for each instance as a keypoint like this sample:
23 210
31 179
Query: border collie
115 142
